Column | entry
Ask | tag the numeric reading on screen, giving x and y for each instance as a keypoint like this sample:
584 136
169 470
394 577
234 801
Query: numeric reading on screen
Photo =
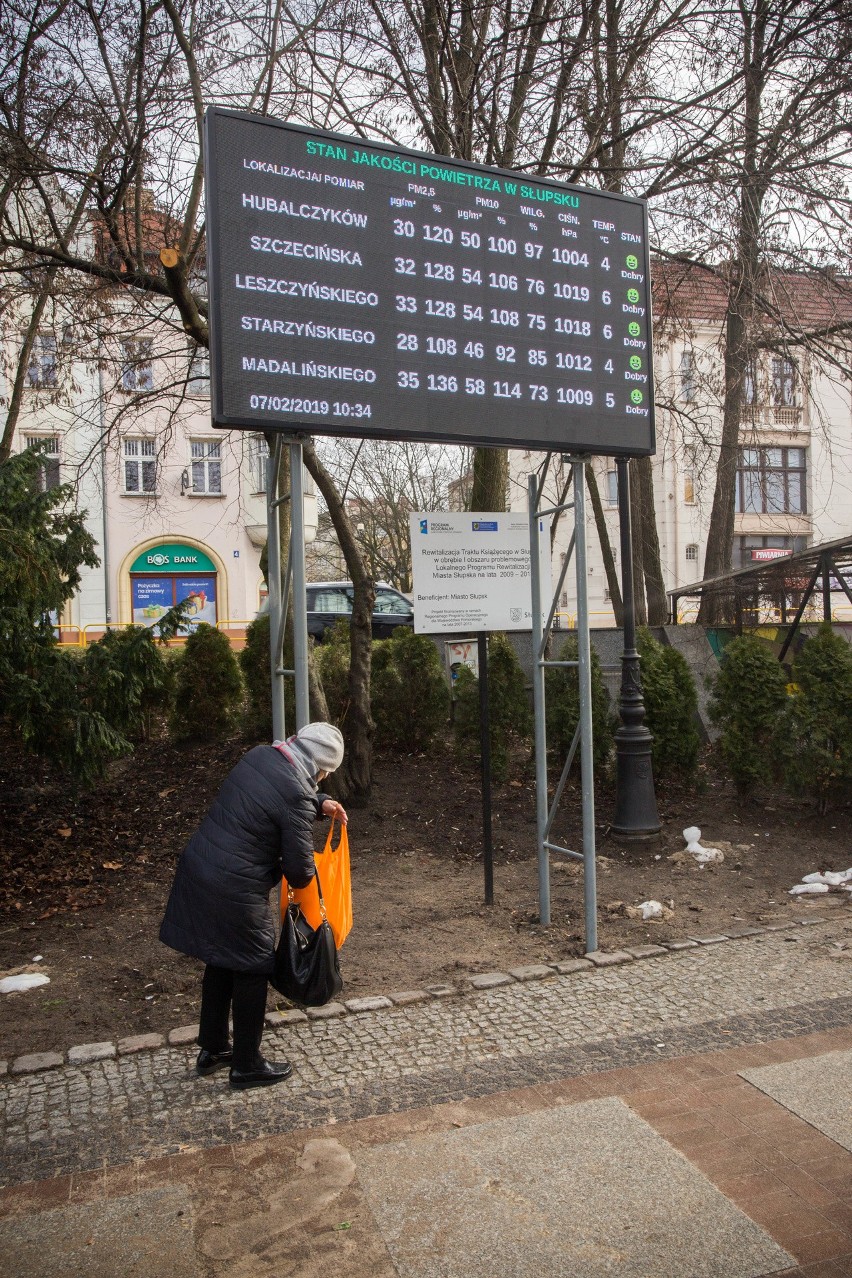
362 289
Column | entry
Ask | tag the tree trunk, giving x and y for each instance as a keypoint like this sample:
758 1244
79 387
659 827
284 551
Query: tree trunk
355 775
720 537
490 479
739 325
606 546
655 588
638 544
16 396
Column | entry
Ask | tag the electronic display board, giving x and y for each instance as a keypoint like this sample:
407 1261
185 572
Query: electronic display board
362 289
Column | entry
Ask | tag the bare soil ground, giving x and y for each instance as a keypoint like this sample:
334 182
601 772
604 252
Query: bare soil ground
84 877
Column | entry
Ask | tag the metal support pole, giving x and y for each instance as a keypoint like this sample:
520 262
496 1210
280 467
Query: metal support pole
485 754
799 612
276 610
635 803
584 677
300 607
826 589
538 704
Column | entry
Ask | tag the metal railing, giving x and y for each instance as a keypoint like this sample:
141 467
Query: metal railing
95 630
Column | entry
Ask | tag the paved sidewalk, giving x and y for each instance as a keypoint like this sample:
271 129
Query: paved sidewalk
683 1115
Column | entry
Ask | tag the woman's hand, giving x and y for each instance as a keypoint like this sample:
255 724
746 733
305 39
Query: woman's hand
337 812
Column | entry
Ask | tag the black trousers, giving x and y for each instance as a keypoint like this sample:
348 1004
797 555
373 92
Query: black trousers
244 993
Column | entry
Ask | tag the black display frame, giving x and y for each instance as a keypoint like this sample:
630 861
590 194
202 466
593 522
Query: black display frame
574 438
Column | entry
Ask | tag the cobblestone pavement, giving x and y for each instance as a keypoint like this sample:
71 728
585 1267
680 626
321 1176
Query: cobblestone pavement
108 1112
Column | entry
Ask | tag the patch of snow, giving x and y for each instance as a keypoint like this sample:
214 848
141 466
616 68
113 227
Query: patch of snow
25 981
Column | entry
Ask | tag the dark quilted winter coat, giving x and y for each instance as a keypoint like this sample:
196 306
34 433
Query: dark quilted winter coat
258 828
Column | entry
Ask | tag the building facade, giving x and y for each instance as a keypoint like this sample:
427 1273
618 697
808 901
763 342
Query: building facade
177 508
794 471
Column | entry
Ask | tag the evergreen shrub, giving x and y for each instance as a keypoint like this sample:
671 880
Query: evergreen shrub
410 699
254 664
671 705
747 703
562 706
208 687
332 660
510 716
128 678
818 740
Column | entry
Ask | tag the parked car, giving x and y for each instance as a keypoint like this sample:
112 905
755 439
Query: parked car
331 601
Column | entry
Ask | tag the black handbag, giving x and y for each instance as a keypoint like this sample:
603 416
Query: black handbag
306 967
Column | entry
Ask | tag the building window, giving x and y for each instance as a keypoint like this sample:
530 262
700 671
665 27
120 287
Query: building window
750 383
198 374
689 488
692 553
140 466
612 487
49 471
41 368
750 550
259 461
783 382
206 466
687 377
137 368
771 481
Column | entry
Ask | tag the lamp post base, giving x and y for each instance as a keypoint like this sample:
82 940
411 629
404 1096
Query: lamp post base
636 816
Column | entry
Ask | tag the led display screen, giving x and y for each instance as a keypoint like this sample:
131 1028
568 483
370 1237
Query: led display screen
362 289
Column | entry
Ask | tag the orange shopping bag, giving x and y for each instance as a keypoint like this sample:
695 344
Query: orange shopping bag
333 867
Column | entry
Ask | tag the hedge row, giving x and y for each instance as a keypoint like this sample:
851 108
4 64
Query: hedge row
799 734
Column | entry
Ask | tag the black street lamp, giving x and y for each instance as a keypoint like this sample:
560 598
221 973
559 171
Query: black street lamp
636 814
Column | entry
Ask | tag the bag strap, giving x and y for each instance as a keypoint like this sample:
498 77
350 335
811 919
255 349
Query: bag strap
291 894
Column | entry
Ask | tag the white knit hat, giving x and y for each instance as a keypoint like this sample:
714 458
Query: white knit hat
321 744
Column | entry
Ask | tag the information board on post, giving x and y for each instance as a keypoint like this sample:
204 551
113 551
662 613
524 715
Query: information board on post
362 289
472 571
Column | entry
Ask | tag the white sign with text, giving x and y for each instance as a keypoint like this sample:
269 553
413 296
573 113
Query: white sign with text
472 571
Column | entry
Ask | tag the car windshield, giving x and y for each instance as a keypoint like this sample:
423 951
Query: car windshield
390 601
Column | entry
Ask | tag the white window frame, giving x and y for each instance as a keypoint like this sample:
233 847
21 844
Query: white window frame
205 465
137 366
692 553
42 366
139 457
198 371
612 489
259 463
50 473
688 388
785 382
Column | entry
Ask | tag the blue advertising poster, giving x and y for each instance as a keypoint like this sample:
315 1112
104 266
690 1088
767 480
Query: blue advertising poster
202 593
152 596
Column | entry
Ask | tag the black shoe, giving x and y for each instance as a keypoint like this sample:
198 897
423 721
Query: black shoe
206 1061
265 1075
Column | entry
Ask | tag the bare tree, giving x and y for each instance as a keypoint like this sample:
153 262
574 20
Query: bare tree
380 483
777 197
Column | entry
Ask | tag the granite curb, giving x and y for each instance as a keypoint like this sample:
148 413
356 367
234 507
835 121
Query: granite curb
183 1035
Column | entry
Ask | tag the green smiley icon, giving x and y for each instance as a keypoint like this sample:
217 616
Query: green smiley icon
633 295
635 361
632 261
636 396
633 329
